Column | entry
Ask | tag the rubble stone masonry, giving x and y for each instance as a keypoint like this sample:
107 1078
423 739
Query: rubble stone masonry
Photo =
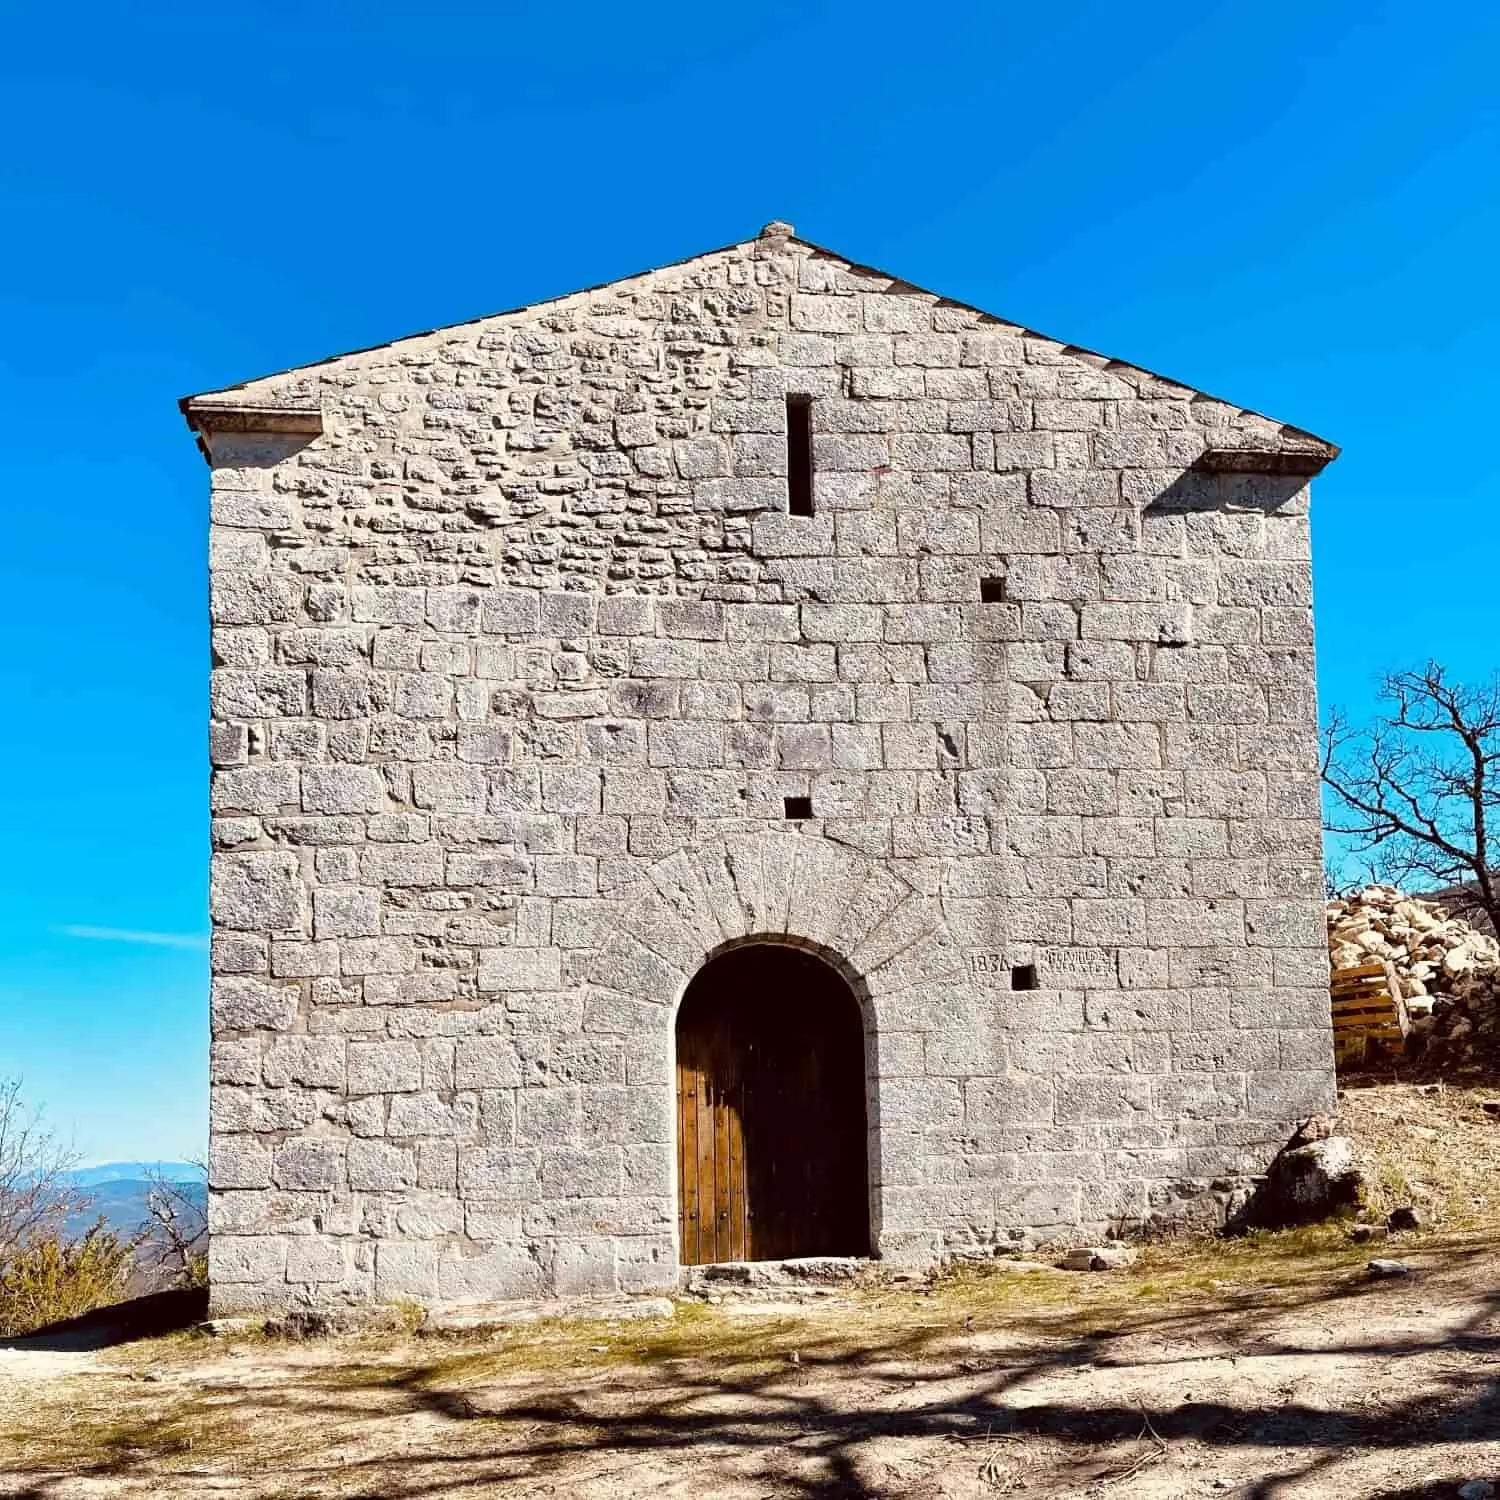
517 656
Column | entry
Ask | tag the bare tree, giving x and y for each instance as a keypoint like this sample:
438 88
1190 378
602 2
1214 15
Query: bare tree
1419 790
175 1236
48 1271
36 1197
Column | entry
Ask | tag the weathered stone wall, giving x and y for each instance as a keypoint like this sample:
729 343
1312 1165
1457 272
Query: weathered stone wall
516 662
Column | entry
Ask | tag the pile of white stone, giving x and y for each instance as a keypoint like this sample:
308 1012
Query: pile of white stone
1448 971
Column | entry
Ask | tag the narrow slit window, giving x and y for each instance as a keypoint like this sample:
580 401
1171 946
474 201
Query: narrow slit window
992 590
1023 977
799 458
798 808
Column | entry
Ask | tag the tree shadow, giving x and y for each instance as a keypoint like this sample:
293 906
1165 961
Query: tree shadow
808 1426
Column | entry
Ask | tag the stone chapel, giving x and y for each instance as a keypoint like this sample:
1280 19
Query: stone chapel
754 760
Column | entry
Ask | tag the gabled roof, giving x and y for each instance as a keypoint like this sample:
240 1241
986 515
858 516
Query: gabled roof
241 407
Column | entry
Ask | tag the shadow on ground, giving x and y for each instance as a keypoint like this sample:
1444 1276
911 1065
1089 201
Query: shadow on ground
121 1323
795 1411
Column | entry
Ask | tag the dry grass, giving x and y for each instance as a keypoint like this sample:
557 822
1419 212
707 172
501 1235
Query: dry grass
101 1424
1431 1145
1436 1148
1262 1270
157 1409
284 1418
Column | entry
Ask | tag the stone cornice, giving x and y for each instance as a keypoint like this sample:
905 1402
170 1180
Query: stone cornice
209 417
1297 461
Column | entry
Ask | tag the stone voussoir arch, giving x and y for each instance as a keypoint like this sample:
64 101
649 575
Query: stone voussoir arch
880 934
875 928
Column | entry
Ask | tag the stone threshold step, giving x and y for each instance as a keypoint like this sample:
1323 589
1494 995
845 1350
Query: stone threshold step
477 1317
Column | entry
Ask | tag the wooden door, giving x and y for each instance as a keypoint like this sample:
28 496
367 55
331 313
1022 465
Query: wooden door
771 1138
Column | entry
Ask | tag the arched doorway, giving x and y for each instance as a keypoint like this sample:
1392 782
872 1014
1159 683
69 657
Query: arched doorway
772 1155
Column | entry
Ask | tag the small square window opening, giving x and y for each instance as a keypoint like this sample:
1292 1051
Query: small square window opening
798 808
992 590
1023 977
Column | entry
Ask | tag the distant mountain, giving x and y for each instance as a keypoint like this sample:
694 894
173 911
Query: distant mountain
120 1171
118 1192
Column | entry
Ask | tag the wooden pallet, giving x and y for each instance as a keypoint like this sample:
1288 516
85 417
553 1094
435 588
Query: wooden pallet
1369 1011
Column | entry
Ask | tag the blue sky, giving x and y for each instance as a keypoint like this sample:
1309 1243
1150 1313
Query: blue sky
1292 206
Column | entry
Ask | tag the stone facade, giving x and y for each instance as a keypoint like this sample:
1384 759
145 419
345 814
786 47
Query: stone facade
517 656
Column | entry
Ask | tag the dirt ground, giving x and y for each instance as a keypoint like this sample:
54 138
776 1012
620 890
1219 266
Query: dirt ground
1272 1367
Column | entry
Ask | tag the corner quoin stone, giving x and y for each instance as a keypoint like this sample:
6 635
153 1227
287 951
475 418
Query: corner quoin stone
521 661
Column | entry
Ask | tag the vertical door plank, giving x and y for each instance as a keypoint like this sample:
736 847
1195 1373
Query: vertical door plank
739 1233
723 1227
687 1082
684 1250
708 1245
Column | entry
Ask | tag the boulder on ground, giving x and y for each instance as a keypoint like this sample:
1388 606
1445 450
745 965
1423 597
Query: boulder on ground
1098 1258
1306 1184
